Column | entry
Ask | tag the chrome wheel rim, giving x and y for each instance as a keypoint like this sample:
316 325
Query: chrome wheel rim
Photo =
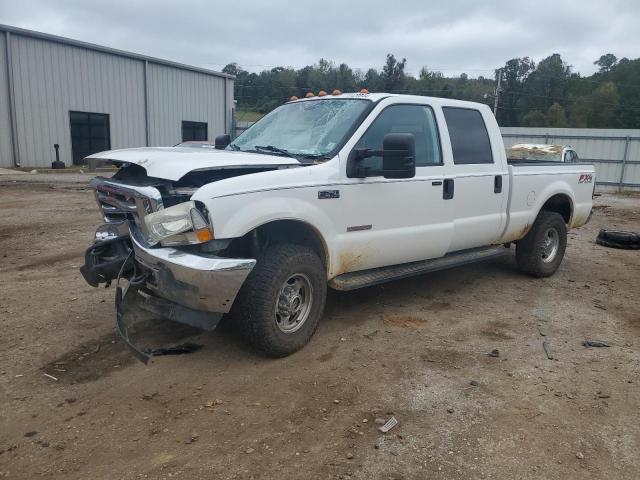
550 245
293 303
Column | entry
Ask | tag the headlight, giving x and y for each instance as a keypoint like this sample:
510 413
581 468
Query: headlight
182 224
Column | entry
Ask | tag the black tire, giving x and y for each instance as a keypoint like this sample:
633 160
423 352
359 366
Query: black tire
534 253
619 239
254 309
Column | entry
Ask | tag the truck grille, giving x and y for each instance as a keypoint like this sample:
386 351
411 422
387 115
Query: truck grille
119 202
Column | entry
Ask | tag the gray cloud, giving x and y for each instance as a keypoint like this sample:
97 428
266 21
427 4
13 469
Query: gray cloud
451 36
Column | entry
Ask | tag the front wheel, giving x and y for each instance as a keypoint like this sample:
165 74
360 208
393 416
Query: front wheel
280 304
541 251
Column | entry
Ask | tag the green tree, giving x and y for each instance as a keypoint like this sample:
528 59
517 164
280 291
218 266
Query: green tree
547 84
345 79
534 119
393 74
372 81
626 77
546 94
556 116
514 73
606 62
604 102
233 69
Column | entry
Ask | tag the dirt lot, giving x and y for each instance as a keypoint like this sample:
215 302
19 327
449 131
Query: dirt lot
416 349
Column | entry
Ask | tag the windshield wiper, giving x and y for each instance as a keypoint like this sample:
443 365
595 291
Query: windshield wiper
234 147
271 148
304 158
280 151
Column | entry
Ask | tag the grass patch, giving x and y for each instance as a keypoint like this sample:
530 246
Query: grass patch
248 116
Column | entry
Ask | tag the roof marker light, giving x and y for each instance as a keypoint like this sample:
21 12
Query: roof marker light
309 95
293 98
322 93
364 90
336 92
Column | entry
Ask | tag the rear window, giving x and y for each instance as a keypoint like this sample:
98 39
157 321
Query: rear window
469 137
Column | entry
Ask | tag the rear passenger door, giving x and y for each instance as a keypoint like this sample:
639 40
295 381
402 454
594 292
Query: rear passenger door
479 182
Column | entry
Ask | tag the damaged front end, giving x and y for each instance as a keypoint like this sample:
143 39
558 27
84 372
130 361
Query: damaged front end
105 258
160 261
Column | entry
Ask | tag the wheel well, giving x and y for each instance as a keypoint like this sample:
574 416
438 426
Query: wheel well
560 204
280 231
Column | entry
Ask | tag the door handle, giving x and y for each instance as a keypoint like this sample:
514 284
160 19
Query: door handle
497 184
447 189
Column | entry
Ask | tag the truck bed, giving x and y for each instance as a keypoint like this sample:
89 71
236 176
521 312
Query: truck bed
535 182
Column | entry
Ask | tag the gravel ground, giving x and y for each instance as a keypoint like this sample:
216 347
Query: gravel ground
415 349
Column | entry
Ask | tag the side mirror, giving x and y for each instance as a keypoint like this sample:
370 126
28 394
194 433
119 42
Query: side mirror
222 141
399 155
398 158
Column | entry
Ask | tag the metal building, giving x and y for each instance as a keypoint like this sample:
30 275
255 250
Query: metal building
89 98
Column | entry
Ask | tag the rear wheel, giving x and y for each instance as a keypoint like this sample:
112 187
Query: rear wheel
280 304
541 251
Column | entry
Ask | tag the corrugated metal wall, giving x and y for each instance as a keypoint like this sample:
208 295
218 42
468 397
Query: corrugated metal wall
614 152
53 76
52 79
176 95
6 149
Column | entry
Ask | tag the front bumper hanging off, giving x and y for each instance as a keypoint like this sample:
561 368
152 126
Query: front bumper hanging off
196 281
191 288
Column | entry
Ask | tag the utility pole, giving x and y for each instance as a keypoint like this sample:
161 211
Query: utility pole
497 93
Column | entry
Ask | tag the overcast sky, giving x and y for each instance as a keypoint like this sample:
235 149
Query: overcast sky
451 36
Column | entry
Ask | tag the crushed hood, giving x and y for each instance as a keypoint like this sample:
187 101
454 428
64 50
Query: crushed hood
173 163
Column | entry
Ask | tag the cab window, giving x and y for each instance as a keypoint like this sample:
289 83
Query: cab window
418 120
469 137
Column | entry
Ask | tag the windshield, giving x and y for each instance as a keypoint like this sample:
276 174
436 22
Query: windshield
308 129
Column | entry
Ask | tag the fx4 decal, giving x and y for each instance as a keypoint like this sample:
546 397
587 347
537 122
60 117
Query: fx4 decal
585 178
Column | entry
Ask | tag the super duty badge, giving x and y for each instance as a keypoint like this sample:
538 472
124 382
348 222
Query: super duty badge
327 194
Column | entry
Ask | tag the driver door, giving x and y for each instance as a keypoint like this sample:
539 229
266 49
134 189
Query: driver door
394 221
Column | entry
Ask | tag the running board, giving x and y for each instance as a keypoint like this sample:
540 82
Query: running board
374 276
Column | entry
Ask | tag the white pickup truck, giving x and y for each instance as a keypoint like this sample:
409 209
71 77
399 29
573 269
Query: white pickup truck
343 190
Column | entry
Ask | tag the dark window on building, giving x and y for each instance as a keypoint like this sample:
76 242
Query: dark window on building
469 138
418 120
194 131
89 134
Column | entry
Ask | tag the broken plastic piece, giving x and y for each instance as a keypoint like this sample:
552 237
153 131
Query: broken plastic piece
594 343
392 422
177 350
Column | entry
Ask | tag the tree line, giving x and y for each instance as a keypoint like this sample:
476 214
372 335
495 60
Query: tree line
544 94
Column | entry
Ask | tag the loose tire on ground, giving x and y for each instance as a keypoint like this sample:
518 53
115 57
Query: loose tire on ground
618 239
540 252
286 277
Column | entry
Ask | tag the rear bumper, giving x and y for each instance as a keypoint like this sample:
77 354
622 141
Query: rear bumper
199 282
